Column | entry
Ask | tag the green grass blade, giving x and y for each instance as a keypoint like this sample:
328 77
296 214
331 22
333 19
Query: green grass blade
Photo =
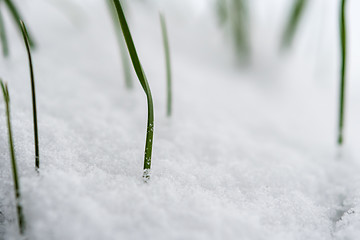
36 137
293 22
21 219
123 53
16 16
168 64
145 85
4 42
343 71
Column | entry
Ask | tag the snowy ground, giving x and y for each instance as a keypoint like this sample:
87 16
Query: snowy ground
248 154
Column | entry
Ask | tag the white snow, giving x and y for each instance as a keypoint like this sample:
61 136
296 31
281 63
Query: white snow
249 153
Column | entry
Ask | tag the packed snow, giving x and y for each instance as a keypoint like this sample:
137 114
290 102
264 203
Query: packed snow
249 153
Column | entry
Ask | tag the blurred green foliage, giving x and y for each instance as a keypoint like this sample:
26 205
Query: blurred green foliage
233 17
292 24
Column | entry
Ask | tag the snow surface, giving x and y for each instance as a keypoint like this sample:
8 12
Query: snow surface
249 152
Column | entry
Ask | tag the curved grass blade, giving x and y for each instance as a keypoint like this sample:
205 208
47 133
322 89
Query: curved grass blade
36 137
168 64
20 215
293 22
123 53
4 42
145 85
343 71
16 16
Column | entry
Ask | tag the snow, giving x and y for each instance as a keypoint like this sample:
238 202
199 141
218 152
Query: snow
249 153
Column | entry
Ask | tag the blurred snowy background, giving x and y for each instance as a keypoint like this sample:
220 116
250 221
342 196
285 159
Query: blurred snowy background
249 153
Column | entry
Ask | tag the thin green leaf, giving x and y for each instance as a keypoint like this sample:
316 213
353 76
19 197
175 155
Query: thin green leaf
343 71
168 64
32 80
145 85
20 215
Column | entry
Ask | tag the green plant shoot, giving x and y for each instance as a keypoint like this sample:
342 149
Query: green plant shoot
168 64
20 216
145 85
32 80
343 71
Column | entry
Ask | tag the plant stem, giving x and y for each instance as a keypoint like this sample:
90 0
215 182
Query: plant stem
124 56
145 85
16 15
343 71
36 137
4 42
168 64
21 219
